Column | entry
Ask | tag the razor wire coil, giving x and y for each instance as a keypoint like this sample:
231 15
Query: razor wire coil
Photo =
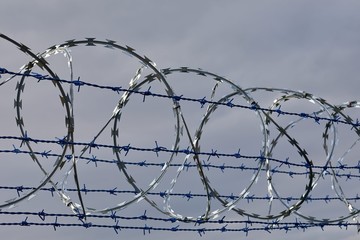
331 115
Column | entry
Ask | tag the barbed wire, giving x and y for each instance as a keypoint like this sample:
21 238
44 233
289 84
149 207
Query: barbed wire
203 101
273 133
226 225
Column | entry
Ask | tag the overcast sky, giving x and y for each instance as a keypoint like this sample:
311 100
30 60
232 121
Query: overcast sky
300 45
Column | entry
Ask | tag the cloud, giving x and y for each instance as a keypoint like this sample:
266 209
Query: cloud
307 45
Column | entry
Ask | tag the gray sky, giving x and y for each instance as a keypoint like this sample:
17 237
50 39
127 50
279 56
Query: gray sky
301 45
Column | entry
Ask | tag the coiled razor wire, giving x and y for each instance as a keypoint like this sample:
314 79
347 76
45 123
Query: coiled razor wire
217 204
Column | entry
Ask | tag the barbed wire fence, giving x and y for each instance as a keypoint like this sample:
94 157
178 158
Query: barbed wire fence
197 155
